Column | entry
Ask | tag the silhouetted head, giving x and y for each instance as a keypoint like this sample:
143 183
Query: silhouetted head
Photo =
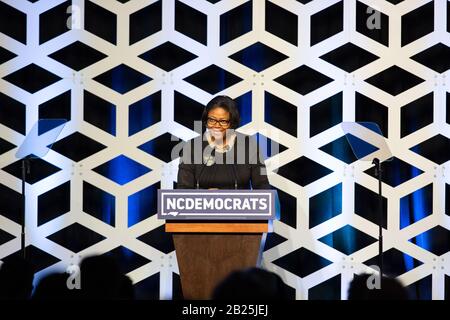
16 279
100 278
366 287
126 290
54 287
251 284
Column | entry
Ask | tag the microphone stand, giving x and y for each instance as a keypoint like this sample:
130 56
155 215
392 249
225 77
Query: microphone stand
203 167
25 170
378 173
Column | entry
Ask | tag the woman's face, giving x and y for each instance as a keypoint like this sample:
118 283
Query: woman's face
218 122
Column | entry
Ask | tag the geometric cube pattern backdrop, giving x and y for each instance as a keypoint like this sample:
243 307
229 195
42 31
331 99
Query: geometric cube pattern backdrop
132 76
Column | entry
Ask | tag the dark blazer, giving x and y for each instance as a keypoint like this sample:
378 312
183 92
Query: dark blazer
241 164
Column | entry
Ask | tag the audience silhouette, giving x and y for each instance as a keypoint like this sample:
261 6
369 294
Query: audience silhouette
251 284
16 279
100 278
54 287
362 288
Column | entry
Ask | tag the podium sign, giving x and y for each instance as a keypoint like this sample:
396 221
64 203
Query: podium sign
215 232
187 204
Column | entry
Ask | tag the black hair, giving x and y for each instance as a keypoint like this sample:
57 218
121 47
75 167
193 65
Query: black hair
226 103
251 284
391 289
16 278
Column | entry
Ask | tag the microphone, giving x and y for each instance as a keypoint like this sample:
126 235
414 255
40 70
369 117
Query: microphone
227 148
235 176
210 160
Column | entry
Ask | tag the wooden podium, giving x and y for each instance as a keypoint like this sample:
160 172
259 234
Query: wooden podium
208 251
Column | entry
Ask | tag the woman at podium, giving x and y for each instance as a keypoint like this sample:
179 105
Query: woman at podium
221 158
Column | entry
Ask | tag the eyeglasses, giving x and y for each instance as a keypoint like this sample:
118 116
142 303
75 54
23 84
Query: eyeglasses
213 122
